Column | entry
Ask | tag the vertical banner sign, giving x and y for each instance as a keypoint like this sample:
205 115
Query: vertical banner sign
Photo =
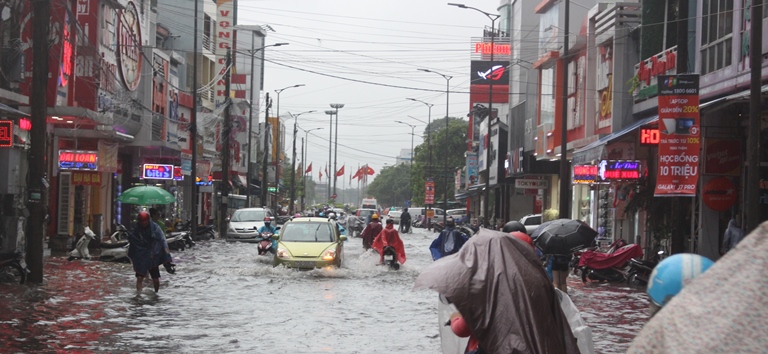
429 191
679 136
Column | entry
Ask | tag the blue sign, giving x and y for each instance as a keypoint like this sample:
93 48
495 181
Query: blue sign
152 171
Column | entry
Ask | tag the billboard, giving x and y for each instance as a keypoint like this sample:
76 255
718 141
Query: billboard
489 72
679 135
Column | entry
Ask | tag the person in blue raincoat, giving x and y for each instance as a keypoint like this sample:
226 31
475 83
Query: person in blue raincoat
342 229
448 242
147 250
269 228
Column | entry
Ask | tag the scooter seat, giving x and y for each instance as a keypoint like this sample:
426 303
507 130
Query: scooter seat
109 245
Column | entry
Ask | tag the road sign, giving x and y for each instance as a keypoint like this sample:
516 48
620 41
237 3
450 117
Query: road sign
429 191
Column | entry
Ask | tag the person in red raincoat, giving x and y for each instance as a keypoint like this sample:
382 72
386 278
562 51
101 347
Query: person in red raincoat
371 231
389 237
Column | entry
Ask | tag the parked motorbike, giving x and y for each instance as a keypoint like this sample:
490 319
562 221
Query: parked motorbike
598 266
640 270
577 255
13 268
178 241
265 243
116 250
390 257
204 232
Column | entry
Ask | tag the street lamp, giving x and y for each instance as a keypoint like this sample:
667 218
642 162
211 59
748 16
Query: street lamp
293 160
429 148
252 53
336 106
447 101
304 159
277 140
410 168
330 148
493 18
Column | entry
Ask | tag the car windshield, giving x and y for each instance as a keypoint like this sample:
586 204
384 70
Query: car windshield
249 215
307 232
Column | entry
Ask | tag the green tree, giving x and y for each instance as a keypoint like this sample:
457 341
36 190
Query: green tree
391 185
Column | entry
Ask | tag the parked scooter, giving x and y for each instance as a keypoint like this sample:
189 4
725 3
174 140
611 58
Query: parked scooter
178 241
204 232
390 257
116 250
599 266
640 270
81 247
13 268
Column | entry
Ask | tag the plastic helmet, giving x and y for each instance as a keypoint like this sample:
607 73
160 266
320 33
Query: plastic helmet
673 273
322 215
332 216
143 218
297 215
267 220
449 222
513 226
522 236
375 216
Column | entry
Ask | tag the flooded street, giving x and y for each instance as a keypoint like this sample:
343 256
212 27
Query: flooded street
224 298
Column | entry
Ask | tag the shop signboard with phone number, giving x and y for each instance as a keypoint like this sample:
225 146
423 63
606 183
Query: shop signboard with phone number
679 135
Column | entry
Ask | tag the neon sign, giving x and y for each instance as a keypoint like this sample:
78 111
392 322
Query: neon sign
199 181
615 170
649 136
25 124
154 171
66 59
177 173
496 48
6 133
78 160
584 174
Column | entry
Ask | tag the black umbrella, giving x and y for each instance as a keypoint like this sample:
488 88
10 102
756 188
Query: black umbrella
563 236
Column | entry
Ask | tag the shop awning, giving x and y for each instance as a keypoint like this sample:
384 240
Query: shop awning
471 192
734 98
7 110
596 150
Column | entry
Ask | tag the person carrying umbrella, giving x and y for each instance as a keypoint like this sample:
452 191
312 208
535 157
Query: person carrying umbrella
147 250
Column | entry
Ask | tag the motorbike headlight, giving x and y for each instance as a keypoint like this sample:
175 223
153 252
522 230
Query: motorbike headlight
329 255
283 253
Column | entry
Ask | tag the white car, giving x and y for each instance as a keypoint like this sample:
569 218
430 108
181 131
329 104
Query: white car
245 223
395 215
531 222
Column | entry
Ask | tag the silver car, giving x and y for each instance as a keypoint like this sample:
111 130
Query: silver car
245 223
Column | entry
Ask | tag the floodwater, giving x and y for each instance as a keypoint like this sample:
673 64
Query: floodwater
224 298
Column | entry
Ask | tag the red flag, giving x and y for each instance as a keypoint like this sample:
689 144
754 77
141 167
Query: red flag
358 174
309 169
321 175
369 171
340 172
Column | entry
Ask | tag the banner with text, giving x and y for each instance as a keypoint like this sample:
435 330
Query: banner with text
429 191
679 136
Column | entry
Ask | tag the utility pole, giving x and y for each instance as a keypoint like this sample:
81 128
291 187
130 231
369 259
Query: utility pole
336 106
293 160
565 181
264 160
37 197
225 150
753 137
330 148
303 175
193 129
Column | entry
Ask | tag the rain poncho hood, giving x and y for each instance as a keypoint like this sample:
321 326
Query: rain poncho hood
390 237
500 288
723 310
449 241
147 248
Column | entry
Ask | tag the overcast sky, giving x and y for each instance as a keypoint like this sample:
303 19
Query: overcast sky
349 51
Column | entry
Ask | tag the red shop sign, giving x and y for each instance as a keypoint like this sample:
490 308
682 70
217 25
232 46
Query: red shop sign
719 194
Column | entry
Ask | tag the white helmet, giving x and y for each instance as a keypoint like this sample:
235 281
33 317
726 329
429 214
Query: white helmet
332 216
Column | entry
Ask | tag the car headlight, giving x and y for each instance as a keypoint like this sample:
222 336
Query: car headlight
329 255
230 228
283 253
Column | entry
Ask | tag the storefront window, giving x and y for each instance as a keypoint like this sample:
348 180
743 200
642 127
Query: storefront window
547 96
716 35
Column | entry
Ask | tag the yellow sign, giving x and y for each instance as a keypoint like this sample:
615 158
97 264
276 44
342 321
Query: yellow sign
85 178
431 213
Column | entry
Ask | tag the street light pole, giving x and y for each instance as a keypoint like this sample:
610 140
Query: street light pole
429 150
447 101
252 53
304 159
277 148
410 168
330 149
493 18
336 106
293 161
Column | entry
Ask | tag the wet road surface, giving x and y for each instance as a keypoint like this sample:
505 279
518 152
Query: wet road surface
224 299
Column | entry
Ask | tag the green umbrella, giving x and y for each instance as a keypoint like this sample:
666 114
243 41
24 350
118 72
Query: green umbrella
146 195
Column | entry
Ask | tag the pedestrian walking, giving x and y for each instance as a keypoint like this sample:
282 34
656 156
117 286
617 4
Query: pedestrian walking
148 250
733 234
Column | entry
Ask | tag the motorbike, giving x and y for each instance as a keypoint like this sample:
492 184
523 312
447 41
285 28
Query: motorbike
640 270
356 227
13 268
265 244
180 240
599 266
116 250
577 255
204 232
390 257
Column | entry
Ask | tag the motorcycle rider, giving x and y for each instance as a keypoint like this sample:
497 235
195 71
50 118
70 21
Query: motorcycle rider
405 221
332 216
371 231
448 242
270 229
389 237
